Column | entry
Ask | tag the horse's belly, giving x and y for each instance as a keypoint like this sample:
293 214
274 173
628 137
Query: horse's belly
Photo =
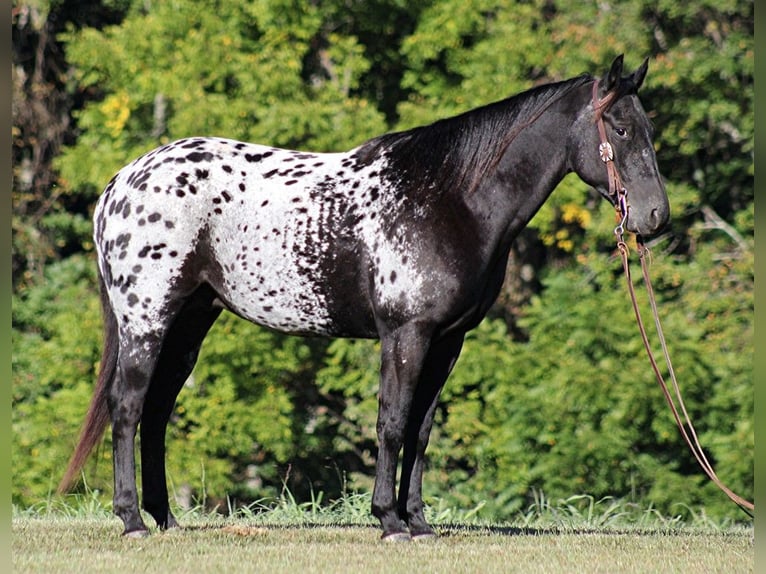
283 273
274 291
296 308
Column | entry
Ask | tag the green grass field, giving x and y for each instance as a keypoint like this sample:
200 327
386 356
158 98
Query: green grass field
578 535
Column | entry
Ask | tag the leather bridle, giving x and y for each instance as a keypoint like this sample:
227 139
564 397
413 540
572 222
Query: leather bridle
618 194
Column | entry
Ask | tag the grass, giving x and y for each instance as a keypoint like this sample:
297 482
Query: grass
579 534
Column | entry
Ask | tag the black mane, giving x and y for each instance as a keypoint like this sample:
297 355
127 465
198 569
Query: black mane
458 151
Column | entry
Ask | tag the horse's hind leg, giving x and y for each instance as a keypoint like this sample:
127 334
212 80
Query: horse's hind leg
125 400
437 366
176 361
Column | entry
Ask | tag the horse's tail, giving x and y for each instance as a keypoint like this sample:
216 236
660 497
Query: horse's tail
97 418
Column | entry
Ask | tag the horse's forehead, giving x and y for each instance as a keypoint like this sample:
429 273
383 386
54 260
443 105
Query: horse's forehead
629 108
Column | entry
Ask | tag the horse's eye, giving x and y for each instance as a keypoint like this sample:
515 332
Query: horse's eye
622 132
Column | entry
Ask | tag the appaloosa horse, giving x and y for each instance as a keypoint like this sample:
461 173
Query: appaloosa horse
404 238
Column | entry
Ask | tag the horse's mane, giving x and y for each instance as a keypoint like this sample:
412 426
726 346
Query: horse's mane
457 152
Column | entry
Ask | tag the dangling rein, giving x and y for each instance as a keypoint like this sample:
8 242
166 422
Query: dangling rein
620 195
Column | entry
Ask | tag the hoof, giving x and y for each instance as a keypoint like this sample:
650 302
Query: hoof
171 523
424 536
142 533
396 537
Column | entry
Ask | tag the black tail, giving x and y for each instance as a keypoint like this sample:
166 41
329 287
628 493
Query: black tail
97 417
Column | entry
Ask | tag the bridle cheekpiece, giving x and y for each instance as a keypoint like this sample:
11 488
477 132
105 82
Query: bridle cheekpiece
617 192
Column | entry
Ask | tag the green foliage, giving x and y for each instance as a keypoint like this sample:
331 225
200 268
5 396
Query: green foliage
707 139
349 376
568 407
579 394
56 329
459 54
237 422
239 70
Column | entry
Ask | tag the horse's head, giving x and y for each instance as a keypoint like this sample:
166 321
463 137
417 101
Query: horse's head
629 133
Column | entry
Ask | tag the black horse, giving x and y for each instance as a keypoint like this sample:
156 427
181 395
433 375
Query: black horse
404 238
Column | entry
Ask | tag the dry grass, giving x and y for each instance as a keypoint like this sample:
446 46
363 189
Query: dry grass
304 539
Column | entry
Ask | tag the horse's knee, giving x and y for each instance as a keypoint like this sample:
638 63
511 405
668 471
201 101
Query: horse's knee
391 428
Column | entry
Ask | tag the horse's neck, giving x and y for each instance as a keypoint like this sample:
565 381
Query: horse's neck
530 169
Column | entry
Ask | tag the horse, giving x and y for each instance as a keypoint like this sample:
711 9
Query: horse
404 238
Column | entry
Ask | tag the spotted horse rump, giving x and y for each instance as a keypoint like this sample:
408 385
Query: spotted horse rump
404 238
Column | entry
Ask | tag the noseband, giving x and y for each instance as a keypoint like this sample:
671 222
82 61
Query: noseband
617 192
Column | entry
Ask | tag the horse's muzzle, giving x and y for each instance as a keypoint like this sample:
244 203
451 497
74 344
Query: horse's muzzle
649 223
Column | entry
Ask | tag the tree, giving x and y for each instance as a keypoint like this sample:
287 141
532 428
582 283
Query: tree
45 220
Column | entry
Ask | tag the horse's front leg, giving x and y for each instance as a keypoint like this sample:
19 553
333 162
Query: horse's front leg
402 354
437 366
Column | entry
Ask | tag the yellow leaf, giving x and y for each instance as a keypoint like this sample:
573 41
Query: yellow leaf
116 109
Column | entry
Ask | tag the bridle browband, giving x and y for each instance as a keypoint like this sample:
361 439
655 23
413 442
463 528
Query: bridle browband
618 194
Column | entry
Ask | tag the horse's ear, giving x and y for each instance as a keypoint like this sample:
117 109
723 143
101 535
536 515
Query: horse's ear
612 79
639 75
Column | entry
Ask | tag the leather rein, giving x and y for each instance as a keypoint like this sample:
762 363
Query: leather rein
619 195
